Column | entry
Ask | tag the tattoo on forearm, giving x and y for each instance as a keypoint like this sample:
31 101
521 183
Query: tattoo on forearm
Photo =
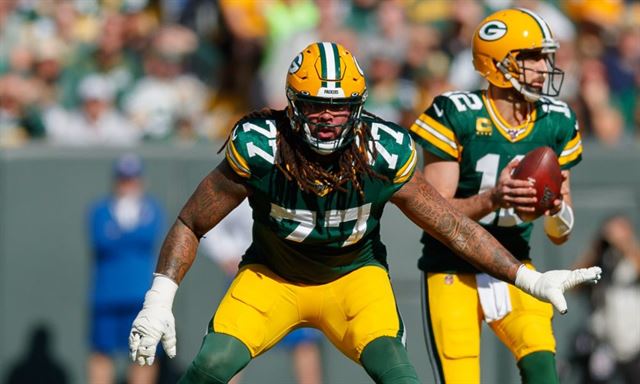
488 254
178 252
214 198
463 235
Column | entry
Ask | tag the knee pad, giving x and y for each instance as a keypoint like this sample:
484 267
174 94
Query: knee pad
219 359
385 359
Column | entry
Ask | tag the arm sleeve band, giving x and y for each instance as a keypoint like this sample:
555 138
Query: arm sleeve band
561 223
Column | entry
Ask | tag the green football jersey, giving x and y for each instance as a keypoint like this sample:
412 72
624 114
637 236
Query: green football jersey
310 238
466 127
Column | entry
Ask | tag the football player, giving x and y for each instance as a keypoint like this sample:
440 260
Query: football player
317 175
472 141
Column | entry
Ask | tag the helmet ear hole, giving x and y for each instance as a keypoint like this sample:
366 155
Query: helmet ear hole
511 65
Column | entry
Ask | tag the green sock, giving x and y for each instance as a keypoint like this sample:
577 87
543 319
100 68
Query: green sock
385 359
220 357
538 368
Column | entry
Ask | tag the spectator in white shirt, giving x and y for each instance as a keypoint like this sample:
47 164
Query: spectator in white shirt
168 102
96 123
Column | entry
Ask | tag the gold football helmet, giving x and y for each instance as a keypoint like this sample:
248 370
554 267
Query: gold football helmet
325 73
501 43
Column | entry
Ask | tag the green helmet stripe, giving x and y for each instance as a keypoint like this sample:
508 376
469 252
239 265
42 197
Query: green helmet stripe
336 60
323 63
330 60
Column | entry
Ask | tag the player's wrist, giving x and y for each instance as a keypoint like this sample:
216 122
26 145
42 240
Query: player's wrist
559 224
526 278
162 292
493 199
554 210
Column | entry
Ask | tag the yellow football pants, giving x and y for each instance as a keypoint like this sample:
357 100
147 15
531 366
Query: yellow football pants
452 323
260 308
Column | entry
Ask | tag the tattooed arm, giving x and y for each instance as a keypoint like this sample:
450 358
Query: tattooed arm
217 195
425 207
421 203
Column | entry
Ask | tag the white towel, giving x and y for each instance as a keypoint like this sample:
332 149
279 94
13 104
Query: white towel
494 297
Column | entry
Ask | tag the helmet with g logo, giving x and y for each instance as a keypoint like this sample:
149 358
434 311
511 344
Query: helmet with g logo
502 37
325 73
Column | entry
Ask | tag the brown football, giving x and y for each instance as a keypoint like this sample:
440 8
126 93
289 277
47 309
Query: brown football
541 165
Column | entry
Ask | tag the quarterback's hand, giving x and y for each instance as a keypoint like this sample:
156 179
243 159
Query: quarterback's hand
510 192
154 323
550 286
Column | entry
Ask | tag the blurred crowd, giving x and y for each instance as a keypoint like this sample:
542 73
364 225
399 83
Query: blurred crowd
607 346
124 72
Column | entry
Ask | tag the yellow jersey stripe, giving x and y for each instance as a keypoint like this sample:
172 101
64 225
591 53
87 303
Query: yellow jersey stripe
435 124
407 169
567 159
571 151
434 136
436 141
236 168
236 161
403 169
572 143
241 161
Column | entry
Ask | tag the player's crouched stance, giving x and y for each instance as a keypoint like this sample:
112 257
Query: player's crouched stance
317 176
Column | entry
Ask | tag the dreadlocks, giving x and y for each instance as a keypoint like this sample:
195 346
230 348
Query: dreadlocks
352 165
292 158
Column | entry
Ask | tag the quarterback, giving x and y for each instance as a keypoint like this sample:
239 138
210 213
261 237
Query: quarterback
317 175
472 142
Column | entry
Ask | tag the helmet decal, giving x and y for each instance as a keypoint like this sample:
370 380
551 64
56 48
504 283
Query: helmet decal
296 64
330 65
493 30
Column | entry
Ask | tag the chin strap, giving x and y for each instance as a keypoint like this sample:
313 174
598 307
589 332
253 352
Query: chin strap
531 97
560 224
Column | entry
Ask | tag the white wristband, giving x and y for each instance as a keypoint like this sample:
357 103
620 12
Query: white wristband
561 223
161 293
526 278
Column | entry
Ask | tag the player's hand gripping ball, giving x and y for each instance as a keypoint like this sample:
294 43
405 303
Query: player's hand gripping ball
541 166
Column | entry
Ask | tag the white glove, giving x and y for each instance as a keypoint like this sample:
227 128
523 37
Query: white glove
550 286
154 323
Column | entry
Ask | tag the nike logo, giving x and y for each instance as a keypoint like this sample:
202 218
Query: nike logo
439 112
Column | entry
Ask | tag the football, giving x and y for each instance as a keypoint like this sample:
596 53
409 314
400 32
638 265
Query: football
541 165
